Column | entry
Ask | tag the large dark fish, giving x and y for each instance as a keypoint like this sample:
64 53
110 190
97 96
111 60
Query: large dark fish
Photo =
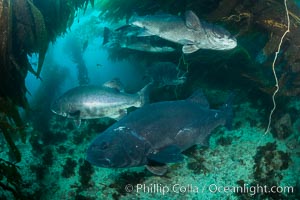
90 102
190 32
128 37
157 134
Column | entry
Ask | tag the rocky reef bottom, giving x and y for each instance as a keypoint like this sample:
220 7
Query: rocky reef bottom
242 163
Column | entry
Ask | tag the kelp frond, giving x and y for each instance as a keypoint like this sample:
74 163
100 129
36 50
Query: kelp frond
40 34
12 180
26 27
116 10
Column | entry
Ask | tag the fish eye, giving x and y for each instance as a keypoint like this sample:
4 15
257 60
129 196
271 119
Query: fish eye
104 145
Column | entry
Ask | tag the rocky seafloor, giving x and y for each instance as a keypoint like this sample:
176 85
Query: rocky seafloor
53 163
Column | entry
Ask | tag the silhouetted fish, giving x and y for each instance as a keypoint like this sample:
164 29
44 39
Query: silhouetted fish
157 134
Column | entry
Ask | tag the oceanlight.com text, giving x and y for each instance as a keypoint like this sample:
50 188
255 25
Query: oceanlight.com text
252 190
212 188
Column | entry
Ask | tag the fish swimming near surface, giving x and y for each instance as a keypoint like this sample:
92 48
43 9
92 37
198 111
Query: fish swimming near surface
127 37
157 133
91 102
190 32
166 74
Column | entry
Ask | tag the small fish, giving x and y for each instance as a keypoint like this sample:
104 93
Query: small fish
128 37
190 32
115 83
91 102
99 65
166 74
157 133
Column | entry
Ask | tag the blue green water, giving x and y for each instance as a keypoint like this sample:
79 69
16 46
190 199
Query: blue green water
241 162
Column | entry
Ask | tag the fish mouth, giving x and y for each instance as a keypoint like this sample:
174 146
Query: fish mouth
233 44
229 44
55 108
100 162
233 41
94 158
105 162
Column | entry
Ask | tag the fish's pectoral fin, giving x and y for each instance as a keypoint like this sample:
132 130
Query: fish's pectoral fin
157 168
144 94
76 116
121 114
192 21
185 42
205 142
186 135
169 154
77 122
144 33
189 48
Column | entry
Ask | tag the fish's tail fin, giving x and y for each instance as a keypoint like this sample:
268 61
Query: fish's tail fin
106 35
228 111
144 94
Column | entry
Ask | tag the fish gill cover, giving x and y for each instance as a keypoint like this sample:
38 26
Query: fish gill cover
51 144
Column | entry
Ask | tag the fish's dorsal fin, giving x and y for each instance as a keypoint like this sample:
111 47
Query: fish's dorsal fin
114 84
199 98
192 21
